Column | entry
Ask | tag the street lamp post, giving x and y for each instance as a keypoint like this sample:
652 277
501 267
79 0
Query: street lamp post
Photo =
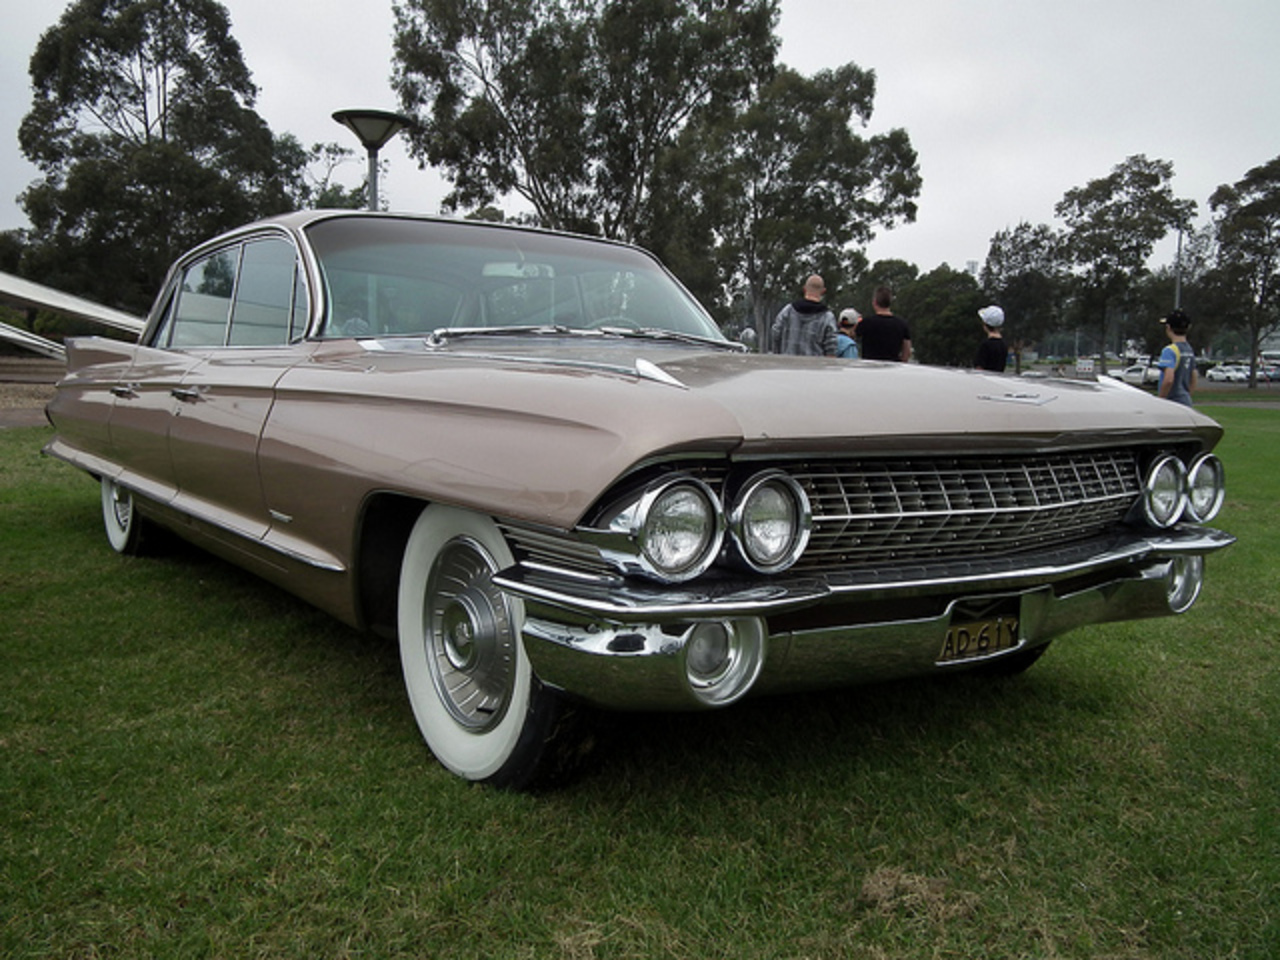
374 128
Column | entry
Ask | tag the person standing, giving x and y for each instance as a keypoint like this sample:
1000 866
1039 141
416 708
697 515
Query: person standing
846 345
806 327
1177 361
884 336
993 352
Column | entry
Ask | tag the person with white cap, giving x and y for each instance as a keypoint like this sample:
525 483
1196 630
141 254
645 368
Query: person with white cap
846 345
993 353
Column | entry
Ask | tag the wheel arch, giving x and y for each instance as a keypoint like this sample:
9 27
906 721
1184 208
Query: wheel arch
386 520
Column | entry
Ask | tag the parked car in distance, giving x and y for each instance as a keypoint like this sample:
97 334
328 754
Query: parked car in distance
533 459
1227 373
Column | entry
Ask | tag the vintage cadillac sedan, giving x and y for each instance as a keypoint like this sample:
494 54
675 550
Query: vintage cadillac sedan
535 460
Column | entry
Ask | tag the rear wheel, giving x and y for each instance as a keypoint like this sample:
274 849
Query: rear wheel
120 517
481 710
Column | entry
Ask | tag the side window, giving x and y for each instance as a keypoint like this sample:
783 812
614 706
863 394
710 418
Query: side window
204 301
298 326
264 296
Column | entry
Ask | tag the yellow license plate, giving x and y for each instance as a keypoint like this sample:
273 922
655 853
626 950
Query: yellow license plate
982 638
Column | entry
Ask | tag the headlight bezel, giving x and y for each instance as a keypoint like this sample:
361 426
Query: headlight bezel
1206 463
799 521
1166 477
629 538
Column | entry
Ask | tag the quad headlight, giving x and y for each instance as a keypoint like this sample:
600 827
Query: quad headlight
1172 491
1164 495
1206 488
671 531
770 522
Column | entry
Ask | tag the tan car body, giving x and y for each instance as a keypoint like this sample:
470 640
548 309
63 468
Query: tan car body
308 462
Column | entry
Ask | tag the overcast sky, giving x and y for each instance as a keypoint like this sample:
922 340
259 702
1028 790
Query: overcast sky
1009 103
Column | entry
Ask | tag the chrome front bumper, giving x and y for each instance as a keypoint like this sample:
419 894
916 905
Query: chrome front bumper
623 645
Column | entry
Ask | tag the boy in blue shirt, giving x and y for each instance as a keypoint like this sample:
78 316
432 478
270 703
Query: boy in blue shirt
1177 361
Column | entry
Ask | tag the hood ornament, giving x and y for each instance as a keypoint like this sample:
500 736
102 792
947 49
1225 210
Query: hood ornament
1032 399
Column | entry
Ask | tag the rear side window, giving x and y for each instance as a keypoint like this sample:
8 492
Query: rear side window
204 301
249 294
263 307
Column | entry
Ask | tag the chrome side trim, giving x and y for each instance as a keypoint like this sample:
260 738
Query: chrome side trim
167 501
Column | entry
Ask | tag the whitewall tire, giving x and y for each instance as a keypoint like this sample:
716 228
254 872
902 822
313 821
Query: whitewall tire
120 518
481 710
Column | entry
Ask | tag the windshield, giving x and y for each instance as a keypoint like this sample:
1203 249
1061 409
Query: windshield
388 277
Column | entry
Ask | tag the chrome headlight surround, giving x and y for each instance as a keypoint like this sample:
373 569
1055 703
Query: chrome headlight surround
1164 493
672 530
1206 488
770 521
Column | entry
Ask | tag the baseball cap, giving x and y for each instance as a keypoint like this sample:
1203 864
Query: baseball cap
992 316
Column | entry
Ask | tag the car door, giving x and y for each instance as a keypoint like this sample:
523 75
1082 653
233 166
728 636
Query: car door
224 399
193 322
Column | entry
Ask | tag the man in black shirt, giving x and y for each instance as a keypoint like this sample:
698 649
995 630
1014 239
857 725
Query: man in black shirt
884 336
992 354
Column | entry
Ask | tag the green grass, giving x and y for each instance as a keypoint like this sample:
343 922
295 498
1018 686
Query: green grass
192 764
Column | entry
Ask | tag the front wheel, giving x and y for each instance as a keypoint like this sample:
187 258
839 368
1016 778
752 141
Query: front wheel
481 710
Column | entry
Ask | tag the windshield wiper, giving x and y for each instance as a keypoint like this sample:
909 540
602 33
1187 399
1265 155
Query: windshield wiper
658 333
442 335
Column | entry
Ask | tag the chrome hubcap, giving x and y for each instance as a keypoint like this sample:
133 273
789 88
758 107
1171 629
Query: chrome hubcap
121 506
469 636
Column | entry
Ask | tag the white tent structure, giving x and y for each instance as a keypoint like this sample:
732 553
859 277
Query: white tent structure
24 293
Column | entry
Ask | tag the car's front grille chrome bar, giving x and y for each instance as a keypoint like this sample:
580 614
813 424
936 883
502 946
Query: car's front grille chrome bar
906 511
869 513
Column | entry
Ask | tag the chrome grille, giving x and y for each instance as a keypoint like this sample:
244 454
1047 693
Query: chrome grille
880 512
898 511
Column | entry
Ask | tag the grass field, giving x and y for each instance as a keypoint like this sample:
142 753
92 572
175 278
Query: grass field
192 764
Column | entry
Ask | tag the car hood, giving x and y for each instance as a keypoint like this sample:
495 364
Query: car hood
545 430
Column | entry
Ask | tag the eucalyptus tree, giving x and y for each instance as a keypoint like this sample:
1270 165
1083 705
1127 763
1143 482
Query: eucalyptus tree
142 126
1025 275
794 189
662 122
942 308
1112 225
1247 227
570 103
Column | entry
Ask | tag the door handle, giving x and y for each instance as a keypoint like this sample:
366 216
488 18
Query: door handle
186 394
126 391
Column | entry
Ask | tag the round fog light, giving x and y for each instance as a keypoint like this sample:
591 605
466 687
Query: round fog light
709 653
722 659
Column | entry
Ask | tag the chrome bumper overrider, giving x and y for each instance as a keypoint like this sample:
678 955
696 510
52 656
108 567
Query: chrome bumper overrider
622 644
